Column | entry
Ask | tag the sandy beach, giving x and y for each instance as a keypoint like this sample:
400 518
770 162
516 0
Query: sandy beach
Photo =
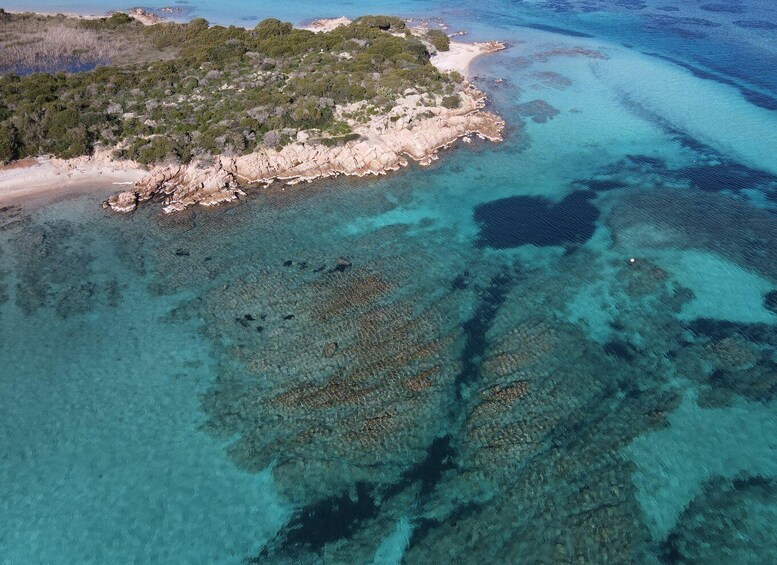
45 179
461 55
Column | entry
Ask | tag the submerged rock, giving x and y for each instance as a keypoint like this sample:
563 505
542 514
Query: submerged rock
731 521
330 349
770 301
341 266
538 110
519 220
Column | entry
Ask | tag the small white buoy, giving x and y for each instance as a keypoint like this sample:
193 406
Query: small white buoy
632 260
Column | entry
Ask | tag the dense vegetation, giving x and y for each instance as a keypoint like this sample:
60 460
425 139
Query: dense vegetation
439 39
217 90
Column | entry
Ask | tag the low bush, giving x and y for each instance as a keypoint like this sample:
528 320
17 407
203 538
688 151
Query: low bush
439 39
451 102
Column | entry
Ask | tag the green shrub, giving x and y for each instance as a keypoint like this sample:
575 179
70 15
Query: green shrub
451 102
339 140
197 25
9 143
117 19
114 21
273 28
384 23
75 142
439 39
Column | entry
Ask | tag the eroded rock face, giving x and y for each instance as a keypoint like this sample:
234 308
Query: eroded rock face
328 24
124 202
181 185
386 143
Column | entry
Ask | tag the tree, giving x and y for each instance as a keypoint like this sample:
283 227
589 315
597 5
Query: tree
273 28
10 145
439 39
198 24
76 142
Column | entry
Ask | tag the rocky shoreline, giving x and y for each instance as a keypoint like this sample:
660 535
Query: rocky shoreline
416 128
410 131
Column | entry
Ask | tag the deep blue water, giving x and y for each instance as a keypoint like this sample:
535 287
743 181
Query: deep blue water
532 220
561 348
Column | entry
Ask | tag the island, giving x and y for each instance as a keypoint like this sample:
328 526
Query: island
192 113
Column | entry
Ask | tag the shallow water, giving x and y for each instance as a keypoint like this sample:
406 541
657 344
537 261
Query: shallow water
560 348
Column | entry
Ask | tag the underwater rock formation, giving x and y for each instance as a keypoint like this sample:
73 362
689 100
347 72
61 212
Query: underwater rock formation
730 359
542 426
340 372
692 219
54 263
732 521
485 394
538 110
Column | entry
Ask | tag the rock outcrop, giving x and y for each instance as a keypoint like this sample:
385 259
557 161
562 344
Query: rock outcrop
181 186
327 24
146 17
412 129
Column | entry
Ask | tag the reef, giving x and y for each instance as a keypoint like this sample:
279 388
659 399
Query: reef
341 369
724 358
538 110
53 263
732 521
693 219
728 359
541 427
506 415
387 387
755 24
723 8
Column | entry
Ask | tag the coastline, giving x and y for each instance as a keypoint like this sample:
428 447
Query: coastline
387 143
461 55
76 15
143 16
47 178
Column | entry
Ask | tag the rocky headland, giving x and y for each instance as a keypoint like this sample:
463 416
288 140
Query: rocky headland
387 142
204 133
414 129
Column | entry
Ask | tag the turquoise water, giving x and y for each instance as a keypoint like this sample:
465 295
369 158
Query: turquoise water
489 376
